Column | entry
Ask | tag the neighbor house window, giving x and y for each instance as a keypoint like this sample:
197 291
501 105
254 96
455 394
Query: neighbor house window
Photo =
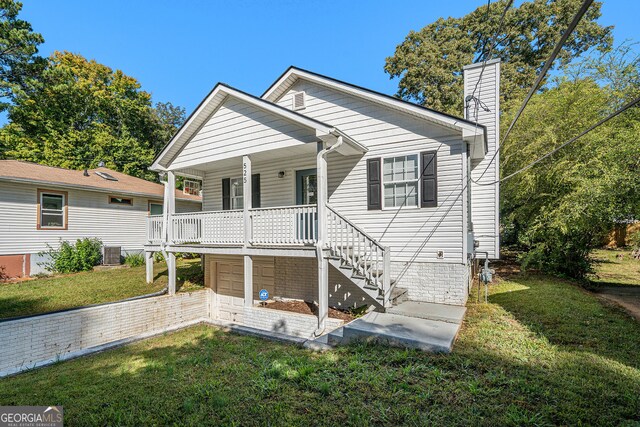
191 187
237 193
115 200
155 208
52 210
400 180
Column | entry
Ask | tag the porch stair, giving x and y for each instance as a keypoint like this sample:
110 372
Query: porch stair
361 259
425 326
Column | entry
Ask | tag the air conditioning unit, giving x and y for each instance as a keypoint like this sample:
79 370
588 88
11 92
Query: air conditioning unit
111 255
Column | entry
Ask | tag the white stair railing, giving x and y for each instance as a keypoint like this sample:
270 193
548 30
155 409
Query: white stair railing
289 225
367 258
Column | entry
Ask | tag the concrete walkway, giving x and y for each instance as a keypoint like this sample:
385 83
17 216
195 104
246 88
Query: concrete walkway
425 326
628 297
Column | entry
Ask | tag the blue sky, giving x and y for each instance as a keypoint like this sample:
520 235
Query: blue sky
178 50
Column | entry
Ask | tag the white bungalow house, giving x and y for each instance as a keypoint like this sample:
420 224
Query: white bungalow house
325 191
42 205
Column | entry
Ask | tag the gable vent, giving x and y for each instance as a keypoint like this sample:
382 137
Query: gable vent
298 101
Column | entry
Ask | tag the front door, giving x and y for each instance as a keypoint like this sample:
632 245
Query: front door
307 194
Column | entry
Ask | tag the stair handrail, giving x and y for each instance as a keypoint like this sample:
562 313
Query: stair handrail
382 283
358 229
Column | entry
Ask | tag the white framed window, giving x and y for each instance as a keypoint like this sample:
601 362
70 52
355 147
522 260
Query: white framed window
191 187
400 181
237 193
117 200
52 212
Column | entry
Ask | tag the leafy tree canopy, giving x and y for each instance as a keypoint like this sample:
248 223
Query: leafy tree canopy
429 62
79 112
561 209
19 61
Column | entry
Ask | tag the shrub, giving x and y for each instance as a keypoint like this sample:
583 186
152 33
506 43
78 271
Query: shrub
134 259
634 239
71 258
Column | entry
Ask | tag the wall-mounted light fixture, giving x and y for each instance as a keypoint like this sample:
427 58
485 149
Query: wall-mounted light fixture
281 174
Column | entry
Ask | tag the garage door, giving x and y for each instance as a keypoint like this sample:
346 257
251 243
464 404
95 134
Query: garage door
230 290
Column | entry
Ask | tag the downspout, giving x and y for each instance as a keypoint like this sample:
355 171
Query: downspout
322 155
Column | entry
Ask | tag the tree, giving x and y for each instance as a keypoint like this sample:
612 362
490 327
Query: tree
429 62
80 112
171 117
561 209
19 61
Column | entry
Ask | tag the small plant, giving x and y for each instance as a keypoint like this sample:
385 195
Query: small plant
158 257
71 258
134 259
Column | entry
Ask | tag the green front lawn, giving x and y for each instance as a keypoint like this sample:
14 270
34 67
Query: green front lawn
91 287
541 352
613 270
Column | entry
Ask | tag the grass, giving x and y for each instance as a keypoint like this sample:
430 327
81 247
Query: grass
611 270
91 287
542 352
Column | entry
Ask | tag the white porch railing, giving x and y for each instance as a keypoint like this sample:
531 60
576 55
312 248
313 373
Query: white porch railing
155 229
219 227
290 225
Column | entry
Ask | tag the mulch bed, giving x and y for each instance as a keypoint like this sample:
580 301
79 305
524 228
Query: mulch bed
305 307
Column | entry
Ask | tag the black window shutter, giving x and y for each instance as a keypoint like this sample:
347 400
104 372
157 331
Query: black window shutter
374 184
226 194
255 190
429 184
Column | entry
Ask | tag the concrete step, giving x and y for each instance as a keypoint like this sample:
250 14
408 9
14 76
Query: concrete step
397 330
430 311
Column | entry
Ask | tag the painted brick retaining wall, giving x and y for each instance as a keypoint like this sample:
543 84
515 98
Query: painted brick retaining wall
39 340
296 324
434 282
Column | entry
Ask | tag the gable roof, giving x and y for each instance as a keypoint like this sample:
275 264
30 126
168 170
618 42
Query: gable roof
471 130
26 172
210 104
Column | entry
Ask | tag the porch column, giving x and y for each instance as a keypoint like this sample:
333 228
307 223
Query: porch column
148 255
323 263
170 201
171 210
171 267
246 206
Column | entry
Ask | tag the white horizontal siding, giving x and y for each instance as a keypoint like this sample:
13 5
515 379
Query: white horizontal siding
485 213
238 128
414 234
89 215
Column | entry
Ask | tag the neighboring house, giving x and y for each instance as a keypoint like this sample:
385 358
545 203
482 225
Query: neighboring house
325 191
43 205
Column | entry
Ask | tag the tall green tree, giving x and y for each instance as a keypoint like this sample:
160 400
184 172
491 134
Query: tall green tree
429 62
80 112
19 61
561 209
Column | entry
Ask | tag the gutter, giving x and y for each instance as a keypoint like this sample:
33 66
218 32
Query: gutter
322 154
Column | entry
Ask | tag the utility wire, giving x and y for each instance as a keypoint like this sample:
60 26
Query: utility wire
571 141
545 68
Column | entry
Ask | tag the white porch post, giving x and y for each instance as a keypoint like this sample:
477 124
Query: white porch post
148 255
246 206
171 210
323 263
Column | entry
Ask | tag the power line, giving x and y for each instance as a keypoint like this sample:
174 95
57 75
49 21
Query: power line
545 68
572 140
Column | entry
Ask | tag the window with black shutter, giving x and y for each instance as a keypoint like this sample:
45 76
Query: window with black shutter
429 179
374 185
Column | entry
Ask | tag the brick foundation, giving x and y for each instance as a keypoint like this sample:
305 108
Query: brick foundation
434 282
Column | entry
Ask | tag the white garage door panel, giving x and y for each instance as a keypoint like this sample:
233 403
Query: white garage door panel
230 289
